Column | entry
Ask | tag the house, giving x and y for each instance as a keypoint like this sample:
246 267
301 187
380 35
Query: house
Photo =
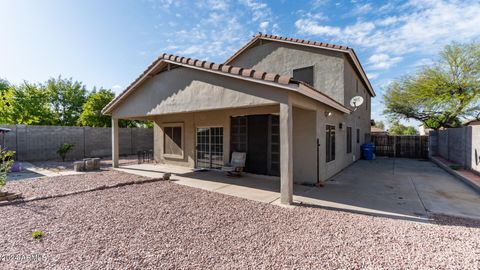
283 101
473 122
377 131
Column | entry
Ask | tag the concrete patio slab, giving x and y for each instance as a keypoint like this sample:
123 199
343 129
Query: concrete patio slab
29 170
398 188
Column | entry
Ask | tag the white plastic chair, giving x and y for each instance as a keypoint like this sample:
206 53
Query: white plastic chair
236 165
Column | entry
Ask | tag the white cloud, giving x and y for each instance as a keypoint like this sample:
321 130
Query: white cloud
264 26
372 76
259 9
421 26
117 89
309 26
382 61
387 21
353 33
218 4
363 9
212 29
319 3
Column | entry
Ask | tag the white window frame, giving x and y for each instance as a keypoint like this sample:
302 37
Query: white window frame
182 147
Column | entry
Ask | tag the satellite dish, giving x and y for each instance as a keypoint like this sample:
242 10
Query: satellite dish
356 101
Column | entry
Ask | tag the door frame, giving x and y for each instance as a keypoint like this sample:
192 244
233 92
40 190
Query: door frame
209 143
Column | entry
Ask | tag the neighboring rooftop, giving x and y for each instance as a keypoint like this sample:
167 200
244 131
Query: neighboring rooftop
377 130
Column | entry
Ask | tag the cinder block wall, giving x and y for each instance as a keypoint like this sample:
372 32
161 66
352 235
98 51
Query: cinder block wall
41 142
459 145
456 145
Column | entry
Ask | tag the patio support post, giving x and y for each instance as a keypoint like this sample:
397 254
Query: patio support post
115 144
286 153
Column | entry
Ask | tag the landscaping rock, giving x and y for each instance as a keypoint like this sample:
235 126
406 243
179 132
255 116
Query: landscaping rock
163 225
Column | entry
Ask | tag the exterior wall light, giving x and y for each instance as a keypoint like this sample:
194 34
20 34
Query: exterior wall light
327 113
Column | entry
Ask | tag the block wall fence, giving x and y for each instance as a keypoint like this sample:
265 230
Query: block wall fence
33 143
459 145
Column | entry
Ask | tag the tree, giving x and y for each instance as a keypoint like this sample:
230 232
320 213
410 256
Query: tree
380 125
92 109
398 129
6 98
440 95
6 159
29 106
66 98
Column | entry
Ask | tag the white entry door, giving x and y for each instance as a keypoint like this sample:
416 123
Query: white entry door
209 149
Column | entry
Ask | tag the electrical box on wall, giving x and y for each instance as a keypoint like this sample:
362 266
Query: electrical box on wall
341 125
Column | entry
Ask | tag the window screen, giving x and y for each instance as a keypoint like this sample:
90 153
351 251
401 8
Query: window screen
330 143
349 139
173 141
304 74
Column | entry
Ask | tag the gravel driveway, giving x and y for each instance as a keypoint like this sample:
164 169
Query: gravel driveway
162 225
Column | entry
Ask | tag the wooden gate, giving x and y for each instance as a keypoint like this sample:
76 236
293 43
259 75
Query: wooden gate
415 146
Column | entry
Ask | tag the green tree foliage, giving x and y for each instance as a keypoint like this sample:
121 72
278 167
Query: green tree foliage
92 112
398 129
64 149
66 98
6 98
6 160
57 102
29 105
92 109
442 94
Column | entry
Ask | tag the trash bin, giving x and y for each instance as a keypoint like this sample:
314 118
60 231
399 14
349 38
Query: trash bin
368 151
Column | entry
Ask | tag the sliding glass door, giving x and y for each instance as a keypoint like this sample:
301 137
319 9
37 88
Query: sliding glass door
209 149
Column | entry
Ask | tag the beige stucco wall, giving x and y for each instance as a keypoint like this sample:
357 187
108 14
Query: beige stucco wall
342 158
198 98
187 90
216 118
304 145
283 58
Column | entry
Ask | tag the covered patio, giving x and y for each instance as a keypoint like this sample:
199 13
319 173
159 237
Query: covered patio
342 193
194 104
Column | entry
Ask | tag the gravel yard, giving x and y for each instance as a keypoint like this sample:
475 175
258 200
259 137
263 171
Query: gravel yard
50 186
163 225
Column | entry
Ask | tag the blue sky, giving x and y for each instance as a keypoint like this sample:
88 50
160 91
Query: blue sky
109 43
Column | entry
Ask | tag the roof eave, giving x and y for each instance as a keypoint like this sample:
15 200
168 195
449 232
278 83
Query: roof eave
346 50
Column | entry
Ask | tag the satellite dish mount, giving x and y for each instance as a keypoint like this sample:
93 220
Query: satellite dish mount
355 102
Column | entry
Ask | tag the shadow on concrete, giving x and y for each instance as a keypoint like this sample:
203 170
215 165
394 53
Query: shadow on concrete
395 188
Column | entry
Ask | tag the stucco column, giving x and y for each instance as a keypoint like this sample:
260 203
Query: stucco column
286 153
115 144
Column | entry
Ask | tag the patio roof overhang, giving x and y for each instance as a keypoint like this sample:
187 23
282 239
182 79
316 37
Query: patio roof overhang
4 130
166 62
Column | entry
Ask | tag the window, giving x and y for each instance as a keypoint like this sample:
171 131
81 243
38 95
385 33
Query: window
304 74
173 140
330 143
358 135
349 140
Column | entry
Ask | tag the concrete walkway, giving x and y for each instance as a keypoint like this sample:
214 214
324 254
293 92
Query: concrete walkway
29 170
399 188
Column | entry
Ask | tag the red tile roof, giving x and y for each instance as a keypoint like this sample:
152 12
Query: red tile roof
199 64
241 73
349 51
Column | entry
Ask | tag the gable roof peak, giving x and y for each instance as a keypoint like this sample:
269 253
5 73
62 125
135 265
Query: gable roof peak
321 45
